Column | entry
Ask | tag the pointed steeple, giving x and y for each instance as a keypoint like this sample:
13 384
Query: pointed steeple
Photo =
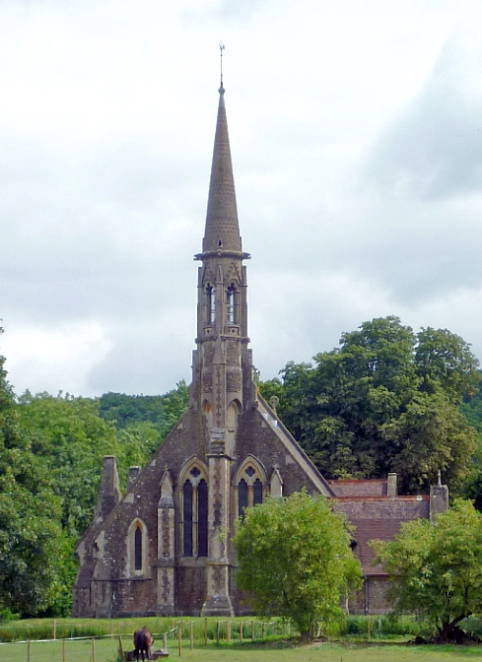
222 227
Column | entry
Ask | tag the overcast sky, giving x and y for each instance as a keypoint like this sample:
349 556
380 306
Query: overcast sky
356 136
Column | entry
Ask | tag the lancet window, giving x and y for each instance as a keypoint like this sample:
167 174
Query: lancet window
195 512
137 547
251 481
211 304
230 304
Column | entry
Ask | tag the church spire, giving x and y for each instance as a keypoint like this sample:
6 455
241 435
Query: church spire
222 227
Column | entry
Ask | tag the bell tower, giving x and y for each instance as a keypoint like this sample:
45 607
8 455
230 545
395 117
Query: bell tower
222 365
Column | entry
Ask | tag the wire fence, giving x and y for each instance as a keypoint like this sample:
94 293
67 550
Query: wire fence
176 641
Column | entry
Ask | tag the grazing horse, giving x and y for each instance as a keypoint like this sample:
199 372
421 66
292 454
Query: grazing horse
143 641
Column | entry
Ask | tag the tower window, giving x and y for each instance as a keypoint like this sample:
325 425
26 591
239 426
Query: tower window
211 304
195 514
230 308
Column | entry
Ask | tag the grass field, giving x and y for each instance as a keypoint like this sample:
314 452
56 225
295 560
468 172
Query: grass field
106 651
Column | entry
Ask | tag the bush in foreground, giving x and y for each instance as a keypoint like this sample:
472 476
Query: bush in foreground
295 560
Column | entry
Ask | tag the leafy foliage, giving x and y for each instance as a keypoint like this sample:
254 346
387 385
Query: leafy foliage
436 567
51 450
386 400
295 560
162 411
29 531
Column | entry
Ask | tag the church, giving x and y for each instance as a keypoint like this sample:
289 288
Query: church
164 547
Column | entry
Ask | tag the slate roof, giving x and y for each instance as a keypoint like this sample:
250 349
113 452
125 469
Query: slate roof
365 487
379 518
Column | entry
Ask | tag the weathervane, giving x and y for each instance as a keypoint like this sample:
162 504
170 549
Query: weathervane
221 49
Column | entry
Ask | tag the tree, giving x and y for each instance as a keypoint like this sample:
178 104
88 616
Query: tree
386 400
29 513
295 560
436 568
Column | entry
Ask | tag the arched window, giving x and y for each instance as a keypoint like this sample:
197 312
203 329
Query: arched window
195 511
187 511
257 492
211 304
242 496
250 479
138 548
202 526
230 304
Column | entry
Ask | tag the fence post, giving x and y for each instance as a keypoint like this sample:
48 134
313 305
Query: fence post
63 649
121 650
93 650
191 635
241 631
228 631
205 631
54 630
252 630
29 644
179 639
218 627
164 641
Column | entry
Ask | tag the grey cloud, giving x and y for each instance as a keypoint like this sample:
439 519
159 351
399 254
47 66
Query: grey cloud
435 149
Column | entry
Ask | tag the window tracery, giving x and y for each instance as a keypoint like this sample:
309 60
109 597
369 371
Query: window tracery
194 511
250 485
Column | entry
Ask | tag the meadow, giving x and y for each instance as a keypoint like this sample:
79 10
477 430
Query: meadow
362 639
106 651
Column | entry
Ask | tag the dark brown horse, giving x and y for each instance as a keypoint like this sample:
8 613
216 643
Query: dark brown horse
143 641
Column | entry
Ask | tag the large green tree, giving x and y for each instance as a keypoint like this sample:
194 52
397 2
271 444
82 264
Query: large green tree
386 400
30 533
436 568
295 560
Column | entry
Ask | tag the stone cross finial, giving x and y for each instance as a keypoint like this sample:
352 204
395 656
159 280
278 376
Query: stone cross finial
221 49
274 402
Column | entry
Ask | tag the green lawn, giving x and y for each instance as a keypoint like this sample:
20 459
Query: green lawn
105 651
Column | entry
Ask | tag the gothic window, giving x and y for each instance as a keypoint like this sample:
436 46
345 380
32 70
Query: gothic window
137 552
195 512
230 307
187 494
138 548
250 483
202 530
242 496
257 492
211 304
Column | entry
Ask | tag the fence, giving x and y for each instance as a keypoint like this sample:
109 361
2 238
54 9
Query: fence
183 637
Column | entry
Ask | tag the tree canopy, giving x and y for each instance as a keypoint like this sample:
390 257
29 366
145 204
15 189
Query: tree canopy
51 450
295 560
387 399
29 513
436 568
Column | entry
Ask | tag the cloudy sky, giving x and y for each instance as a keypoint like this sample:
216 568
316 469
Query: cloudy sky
356 133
